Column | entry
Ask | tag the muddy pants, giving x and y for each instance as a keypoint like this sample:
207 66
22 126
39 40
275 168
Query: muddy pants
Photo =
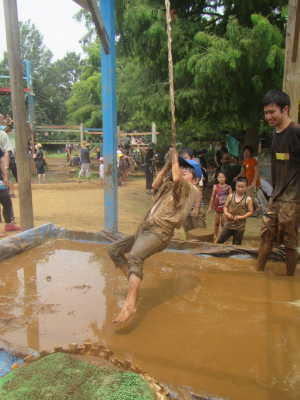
235 233
139 247
280 226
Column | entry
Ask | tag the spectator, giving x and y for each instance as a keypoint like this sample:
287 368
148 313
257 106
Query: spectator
250 169
218 198
231 168
40 163
85 160
149 169
237 209
5 198
101 168
221 150
281 221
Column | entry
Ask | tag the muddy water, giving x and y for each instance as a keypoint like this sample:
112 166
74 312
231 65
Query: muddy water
212 324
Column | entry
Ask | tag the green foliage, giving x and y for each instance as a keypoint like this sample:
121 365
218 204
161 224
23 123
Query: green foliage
225 58
52 80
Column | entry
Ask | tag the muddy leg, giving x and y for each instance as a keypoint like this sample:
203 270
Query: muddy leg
291 261
129 307
264 251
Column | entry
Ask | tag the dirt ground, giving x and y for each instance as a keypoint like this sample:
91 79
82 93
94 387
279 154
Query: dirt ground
77 204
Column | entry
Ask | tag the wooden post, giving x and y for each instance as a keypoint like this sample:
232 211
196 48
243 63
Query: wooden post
171 72
81 133
154 136
19 112
291 82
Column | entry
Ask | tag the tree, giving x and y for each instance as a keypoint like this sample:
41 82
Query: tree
211 40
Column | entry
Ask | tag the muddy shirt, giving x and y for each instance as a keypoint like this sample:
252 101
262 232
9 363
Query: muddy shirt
172 204
286 164
237 208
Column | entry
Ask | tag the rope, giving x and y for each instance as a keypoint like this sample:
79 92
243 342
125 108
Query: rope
171 73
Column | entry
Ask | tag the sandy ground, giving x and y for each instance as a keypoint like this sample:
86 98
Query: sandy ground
78 204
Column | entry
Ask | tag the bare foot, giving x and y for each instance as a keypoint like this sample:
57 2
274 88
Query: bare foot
125 314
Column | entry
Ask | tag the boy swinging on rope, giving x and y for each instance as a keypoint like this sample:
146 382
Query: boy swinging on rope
174 196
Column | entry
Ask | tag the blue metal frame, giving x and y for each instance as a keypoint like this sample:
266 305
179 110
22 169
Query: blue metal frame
109 112
28 77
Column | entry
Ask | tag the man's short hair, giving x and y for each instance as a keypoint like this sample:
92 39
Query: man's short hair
242 179
281 99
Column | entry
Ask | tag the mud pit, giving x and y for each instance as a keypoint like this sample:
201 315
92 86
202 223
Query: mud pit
212 324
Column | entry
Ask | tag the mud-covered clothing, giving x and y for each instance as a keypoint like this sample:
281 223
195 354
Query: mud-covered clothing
281 222
173 203
220 196
286 164
237 208
138 247
237 236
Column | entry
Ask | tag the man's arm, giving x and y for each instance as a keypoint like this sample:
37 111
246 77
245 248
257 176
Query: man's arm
197 205
176 174
162 174
227 214
211 199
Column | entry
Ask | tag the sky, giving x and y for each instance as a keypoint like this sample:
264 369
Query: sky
54 19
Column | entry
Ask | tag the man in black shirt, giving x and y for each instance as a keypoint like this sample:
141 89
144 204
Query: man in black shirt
283 217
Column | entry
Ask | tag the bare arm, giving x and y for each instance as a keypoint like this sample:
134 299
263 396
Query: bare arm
176 174
198 199
227 214
161 174
211 199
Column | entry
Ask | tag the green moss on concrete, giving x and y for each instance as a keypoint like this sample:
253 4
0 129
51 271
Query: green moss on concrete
60 377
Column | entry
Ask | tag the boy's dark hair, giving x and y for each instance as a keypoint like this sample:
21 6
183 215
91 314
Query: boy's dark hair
242 179
249 148
281 99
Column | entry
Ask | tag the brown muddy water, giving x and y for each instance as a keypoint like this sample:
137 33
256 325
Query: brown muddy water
212 324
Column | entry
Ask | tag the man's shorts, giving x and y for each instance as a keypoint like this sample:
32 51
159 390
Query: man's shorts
281 222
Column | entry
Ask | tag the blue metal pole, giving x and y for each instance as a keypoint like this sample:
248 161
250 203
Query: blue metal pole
109 112
28 77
